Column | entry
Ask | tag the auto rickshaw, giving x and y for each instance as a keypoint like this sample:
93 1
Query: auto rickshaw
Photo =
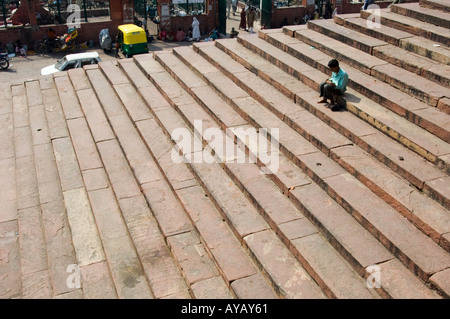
132 39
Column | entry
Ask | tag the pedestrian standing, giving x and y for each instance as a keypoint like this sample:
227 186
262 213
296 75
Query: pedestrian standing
251 17
196 29
243 24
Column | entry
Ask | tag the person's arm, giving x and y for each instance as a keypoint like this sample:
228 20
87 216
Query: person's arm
342 82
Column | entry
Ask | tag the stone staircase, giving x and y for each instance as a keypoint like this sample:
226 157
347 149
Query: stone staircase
210 171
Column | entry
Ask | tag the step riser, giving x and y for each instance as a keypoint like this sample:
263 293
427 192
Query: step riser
373 32
188 277
406 260
274 226
372 71
408 28
421 16
209 193
399 40
423 71
383 101
380 99
348 41
423 51
434 5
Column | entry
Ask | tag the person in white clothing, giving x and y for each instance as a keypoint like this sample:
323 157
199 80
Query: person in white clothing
196 29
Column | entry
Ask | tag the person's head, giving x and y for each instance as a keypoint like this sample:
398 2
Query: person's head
333 65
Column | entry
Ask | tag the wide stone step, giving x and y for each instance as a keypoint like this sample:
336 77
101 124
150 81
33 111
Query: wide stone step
215 183
416 11
281 215
413 26
435 4
301 122
412 84
93 141
226 87
312 77
393 55
218 237
188 252
285 226
10 271
415 44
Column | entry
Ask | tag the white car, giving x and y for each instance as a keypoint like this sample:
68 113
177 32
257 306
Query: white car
72 61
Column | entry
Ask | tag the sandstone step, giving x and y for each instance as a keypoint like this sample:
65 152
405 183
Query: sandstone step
426 48
418 12
303 52
394 162
168 58
386 34
291 172
210 183
413 26
146 172
435 4
251 63
348 36
416 44
10 268
119 249
194 271
412 62
443 254
263 205
412 84
34 276
392 54
194 200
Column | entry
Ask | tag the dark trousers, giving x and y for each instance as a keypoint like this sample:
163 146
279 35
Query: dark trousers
335 95
329 92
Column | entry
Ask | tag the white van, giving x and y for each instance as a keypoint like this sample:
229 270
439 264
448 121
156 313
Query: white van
72 61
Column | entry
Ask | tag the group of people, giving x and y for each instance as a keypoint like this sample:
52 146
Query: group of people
248 18
18 48
193 33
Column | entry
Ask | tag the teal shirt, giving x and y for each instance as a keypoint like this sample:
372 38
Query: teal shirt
340 79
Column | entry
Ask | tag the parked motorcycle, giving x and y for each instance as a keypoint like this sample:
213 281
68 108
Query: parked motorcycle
4 61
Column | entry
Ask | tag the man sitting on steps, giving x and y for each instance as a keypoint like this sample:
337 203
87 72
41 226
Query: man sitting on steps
334 88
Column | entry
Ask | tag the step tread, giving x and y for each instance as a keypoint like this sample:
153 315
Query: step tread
413 133
286 272
365 134
248 175
413 25
423 239
386 33
421 13
428 91
353 38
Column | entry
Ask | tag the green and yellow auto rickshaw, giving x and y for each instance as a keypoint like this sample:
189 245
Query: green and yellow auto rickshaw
132 39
